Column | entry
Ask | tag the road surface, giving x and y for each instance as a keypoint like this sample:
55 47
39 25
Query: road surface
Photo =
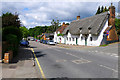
56 62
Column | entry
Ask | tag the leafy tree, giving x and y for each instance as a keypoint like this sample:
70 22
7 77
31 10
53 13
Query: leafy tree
105 9
117 25
9 19
24 31
67 23
11 30
98 10
102 8
55 25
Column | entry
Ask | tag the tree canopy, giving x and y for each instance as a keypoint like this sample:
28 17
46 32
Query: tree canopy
24 31
101 10
117 25
9 19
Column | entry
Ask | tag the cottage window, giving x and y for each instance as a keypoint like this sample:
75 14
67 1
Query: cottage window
70 39
81 38
60 38
73 39
67 38
90 38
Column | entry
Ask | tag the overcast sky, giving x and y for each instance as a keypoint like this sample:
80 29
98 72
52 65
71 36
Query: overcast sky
34 14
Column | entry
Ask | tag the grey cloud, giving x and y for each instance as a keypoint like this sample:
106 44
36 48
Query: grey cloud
42 13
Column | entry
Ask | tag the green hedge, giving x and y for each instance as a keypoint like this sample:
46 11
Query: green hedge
12 35
59 34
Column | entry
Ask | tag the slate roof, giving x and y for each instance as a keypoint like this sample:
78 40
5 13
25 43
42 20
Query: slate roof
96 23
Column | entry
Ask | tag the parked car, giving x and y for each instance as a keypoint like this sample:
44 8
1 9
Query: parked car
45 41
41 40
51 42
32 39
24 43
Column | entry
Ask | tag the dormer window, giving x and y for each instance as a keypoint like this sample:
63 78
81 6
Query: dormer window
91 39
89 28
81 38
80 29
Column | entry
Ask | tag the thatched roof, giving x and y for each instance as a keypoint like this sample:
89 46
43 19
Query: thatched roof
94 23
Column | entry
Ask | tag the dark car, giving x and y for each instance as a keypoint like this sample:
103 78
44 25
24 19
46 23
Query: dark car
45 41
41 40
24 43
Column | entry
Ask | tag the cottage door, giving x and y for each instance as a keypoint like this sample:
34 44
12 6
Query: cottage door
76 41
65 40
85 41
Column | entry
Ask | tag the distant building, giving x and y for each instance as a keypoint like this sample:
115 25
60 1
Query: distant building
92 31
47 36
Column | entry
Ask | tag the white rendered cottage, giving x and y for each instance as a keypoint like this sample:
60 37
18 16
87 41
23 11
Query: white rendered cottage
58 37
92 31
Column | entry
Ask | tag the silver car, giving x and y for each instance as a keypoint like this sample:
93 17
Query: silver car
51 42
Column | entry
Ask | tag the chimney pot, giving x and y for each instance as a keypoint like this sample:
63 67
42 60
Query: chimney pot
78 17
63 24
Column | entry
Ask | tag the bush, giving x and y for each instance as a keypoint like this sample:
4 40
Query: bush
11 30
59 34
13 43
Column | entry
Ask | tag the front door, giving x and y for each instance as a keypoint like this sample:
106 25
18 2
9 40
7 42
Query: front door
86 36
76 41
85 41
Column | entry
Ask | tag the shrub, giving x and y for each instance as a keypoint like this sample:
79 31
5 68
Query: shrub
59 34
13 43
11 30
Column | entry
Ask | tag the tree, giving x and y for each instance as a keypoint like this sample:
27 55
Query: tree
67 23
98 10
9 19
117 25
55 25
24 31
105 9
102 8
11 30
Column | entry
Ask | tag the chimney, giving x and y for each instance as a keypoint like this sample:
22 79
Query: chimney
112 15
63 24
78 17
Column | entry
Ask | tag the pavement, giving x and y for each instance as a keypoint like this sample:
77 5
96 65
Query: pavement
57 62
21 66
111 49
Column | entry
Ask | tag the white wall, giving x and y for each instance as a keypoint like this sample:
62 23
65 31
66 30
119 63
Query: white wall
55 37
81 42
71 39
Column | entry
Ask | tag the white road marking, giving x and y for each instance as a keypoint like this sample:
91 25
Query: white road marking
108 68
57 50
116 56
80 61
61 60
96 51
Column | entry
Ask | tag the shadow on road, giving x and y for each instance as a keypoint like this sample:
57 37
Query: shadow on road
39 54
23 54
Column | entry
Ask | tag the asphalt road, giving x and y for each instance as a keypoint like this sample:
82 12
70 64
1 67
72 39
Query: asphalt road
58 62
